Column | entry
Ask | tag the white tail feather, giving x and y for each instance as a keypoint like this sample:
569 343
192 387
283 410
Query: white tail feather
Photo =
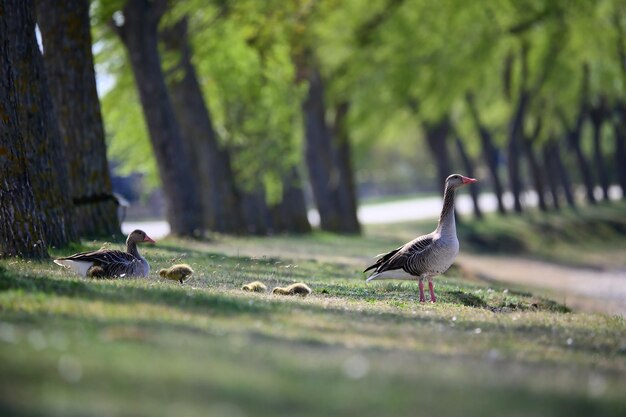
394 274
80 267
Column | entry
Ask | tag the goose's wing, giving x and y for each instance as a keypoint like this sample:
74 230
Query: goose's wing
397 258
114 262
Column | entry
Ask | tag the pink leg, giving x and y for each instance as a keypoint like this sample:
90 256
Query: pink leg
431 288
421 285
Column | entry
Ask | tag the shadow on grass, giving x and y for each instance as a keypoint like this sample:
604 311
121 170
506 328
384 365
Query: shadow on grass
173 297
466 299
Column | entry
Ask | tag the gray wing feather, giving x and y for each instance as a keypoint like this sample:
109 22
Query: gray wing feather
405 255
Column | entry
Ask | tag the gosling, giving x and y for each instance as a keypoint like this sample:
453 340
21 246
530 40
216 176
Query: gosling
293 289
96 272
180 273
256 286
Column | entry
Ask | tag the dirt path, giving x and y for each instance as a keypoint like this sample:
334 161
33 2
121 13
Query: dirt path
585 289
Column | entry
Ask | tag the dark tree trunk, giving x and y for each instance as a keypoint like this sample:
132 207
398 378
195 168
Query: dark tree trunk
619 128
290 214
597 115
574 133
43 146
469 171
69 67
489 151
211 163
535 167
256 212
346 187
563 174
552 175
139 35
513 149
319 155
436 135
21 223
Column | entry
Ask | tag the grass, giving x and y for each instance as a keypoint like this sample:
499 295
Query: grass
72 347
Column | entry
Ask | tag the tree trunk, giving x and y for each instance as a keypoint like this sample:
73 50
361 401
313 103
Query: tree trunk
597 115
21 223
211 163
69 64
436 135
256 212
290 215
619 128
489 151
552 175
469 170
139 35
563 174
574 133
43 146
513 149
346 189
319 155
535 169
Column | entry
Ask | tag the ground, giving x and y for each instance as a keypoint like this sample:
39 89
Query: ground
71 346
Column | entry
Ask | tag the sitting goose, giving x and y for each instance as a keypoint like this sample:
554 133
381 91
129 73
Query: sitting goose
428 255
111 263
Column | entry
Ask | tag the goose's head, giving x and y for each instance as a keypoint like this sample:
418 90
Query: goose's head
139 236
456 180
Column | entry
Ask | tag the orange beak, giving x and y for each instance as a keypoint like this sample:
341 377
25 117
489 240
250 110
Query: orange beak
467 180
148 239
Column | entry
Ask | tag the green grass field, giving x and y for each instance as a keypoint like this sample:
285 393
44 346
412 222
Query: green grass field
127 347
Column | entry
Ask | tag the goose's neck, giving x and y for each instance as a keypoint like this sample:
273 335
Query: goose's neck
447 224
131 247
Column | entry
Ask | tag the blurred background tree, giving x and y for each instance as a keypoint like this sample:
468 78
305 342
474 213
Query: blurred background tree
245 115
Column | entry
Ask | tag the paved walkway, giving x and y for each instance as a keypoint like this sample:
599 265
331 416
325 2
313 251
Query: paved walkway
586 289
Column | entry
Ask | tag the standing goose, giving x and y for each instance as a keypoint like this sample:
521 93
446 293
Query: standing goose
429 255
111 263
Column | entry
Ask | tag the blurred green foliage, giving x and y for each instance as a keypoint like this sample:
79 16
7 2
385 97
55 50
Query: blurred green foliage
380 56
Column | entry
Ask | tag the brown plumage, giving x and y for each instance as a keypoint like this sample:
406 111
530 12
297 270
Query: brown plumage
111 263
179 272
293 289
256 286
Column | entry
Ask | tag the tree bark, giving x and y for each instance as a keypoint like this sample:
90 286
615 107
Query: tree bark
290 214
562 173
69 64
597 115
535 167
436 135
21 223
210 161
513 151
139 34
346 186
256 212
489 151
469 170
319 155
552 175
43 146
619 129
574 133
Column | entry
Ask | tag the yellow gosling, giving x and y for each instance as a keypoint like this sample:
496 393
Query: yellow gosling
293 289
256 286
180 273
